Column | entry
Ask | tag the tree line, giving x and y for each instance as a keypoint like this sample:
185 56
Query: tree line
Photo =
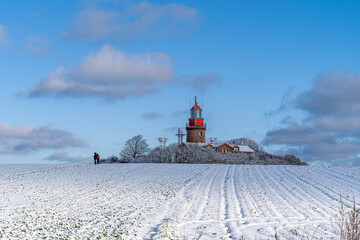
136 150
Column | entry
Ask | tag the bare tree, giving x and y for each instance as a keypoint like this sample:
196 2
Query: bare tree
135 147
245 141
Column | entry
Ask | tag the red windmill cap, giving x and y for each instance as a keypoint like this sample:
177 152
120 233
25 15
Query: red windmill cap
196 106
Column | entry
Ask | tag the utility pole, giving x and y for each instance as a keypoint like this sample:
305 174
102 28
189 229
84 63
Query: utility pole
180 136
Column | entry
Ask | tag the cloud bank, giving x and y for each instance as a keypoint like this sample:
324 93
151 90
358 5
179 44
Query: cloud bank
25 139
331 130
108 73
151 115
332 93
200 82
64 157
37 44
131 21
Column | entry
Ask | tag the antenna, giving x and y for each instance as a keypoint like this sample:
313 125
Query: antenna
162 142
180 136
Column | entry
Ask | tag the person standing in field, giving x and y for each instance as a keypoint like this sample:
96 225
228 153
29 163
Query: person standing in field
95 157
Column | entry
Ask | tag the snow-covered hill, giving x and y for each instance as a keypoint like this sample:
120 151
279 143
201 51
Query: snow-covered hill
160 201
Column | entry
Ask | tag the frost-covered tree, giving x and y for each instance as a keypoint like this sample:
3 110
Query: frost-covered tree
193 153
197 154
163 155
245 141
175 153
135 147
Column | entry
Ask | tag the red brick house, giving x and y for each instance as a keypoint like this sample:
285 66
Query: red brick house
225 148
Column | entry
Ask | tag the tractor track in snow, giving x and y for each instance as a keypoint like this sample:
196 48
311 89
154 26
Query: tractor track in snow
166 201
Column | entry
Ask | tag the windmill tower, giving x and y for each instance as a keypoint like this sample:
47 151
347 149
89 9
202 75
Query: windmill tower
196 127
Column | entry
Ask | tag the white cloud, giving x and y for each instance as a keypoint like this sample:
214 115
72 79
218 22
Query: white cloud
3 36
64 157
151 115
338 150
132 21
23 139
339 124
200 82
181 113
312 144
333 93
286 103
37 44
331 128
295 135
109 73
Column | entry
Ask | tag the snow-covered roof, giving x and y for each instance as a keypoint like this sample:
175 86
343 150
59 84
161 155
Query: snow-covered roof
218 144
244 148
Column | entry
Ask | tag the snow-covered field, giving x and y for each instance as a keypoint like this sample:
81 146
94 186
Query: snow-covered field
161 201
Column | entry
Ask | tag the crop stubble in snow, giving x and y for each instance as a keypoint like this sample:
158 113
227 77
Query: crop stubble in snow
160 201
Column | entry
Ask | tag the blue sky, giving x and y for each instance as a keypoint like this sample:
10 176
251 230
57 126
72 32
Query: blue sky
84 76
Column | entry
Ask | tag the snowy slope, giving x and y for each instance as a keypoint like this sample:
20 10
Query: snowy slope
161 201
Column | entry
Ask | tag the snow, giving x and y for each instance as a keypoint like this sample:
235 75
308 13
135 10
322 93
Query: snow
244 148
169 201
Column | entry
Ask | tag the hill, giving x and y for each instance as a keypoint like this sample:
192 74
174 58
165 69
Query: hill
153 201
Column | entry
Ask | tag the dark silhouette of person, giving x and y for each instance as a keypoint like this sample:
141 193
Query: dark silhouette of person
95 157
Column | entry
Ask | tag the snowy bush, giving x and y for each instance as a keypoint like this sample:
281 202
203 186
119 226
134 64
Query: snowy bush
113 159
196 154
346 224
163 155
193 153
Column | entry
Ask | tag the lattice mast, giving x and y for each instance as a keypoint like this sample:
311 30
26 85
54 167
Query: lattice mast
162 142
